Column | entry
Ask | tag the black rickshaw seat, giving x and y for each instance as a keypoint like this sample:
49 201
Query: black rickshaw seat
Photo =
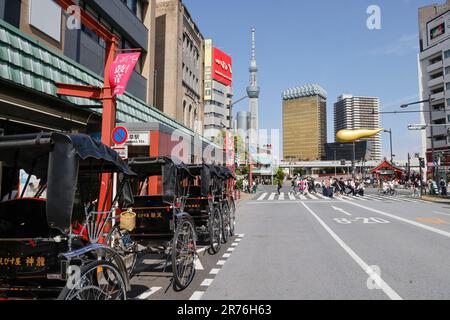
24 218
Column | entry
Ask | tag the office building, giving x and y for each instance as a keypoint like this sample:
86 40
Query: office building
218 91
179 64
304 123
352 112
434 78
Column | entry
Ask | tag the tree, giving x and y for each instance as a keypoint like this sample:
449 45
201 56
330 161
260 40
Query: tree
279 176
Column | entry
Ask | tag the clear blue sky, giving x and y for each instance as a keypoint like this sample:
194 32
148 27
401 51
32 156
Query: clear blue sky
325 42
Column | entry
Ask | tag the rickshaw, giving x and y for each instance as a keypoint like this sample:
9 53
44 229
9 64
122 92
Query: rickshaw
162 226
202 206
52 219
225 186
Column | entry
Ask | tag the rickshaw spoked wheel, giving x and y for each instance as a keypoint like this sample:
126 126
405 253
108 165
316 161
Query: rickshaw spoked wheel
215 231
129 256
92 284
232 217
225 222
184 253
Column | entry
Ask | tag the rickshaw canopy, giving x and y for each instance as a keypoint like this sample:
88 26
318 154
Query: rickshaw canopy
56 159
171 171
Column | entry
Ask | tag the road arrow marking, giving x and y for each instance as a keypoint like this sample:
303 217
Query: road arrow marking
341 210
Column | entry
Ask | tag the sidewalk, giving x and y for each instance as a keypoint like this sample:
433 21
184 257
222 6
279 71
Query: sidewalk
437 199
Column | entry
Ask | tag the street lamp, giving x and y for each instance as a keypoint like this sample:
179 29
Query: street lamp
430 112
390 135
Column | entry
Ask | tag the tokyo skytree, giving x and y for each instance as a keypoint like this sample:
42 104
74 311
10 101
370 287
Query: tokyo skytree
253 91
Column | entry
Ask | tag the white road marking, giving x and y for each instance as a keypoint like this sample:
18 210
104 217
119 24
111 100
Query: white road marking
214 271
417 224
197 296
272 197
207 282
341 210
198 265
238 240
202 249
221 262
241 235
235 244
151 262
291 197
262 196
226 255
231 249
322 196
312 196
281 197
148 293
383 285
302 197
445 214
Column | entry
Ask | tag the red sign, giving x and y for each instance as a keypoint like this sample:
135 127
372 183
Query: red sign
121 70
120 135
222 67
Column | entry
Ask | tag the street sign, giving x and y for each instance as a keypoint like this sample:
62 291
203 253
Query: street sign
138 139
120 135
122 151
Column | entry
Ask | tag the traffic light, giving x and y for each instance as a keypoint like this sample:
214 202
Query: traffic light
422 162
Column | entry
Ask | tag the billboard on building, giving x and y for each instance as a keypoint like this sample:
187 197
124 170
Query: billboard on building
222 70
208 69
437 30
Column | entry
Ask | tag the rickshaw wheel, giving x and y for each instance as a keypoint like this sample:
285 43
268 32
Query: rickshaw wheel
225 222
215 231
232 217
184 253
92 284
129 256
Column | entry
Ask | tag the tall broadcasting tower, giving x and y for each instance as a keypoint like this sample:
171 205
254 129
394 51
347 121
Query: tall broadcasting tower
253 91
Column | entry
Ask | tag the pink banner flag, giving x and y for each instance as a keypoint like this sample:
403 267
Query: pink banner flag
121 70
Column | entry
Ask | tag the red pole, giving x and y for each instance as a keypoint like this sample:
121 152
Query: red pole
108 121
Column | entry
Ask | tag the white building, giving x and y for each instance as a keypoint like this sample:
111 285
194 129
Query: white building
434 76
352 112
218 91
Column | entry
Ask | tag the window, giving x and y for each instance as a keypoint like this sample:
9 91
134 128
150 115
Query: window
447 54
45 15
135 6
447 70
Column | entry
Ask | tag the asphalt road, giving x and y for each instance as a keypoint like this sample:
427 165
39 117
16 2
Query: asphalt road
364 248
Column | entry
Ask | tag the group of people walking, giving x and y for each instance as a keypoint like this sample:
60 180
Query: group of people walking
350 187
301 185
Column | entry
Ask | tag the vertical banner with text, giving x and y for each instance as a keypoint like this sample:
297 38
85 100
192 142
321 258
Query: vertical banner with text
121 71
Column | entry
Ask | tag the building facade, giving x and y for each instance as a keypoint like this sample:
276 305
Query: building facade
434 79
304 123
179 65
352 112
38 54
218 91
346 151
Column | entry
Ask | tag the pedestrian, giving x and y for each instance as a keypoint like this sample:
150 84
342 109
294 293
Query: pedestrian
280 186
443 186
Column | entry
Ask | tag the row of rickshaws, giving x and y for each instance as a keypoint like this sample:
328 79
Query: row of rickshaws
66 240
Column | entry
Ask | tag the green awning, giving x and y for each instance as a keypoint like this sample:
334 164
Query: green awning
29 63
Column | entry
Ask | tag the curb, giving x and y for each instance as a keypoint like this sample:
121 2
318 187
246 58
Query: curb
436 199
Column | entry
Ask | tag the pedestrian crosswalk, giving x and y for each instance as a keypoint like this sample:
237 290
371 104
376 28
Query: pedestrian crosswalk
272 196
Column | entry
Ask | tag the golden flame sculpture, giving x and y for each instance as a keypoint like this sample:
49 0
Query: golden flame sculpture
354 135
